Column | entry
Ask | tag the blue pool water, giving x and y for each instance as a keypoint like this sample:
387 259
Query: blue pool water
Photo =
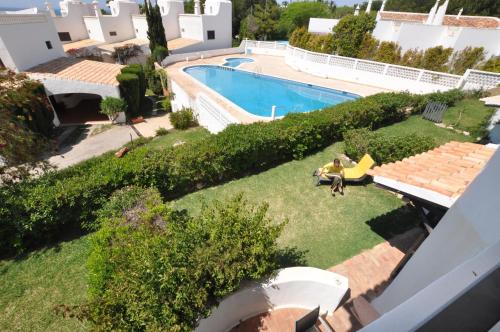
257 93
235 62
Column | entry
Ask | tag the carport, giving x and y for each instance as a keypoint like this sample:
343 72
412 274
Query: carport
76 86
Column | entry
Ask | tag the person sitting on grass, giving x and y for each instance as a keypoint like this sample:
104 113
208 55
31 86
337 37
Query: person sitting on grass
335 172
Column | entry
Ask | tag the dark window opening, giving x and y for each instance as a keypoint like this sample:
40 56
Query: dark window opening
64 36
48 44
211 34
112 33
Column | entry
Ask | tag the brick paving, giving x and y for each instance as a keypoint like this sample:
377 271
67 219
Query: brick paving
368 273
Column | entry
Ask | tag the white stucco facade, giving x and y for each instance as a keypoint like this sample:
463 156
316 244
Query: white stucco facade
115 27
71 19
27 40
170 11
322 26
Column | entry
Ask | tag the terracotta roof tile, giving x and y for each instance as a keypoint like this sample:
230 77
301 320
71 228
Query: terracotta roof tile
447 170
450 20
79 70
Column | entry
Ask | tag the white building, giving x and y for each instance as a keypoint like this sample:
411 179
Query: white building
422 31
70 25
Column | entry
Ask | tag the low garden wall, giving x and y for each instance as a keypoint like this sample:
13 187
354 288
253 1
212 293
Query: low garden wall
296 287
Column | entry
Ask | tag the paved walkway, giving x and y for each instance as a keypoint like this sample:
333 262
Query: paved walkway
150 125
368 273
264 64
91 146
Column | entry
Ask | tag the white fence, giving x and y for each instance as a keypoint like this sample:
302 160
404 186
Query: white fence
211 115
380 74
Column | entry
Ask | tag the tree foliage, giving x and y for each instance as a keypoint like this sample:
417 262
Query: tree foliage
261 23
465 59
297 14
312 42
156 32
349 33
436 58
369 47
493 64
112 107
388 52
153 268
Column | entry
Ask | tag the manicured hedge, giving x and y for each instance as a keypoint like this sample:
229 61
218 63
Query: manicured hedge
130 91
45 209
385 148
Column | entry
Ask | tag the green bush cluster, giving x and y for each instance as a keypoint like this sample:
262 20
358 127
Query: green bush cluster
183 119
142 252
385 148
43 209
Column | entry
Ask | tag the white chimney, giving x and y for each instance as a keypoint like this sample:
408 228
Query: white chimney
460 13
197 8
432 13
369 7
95 6
50 8
382 8
438 20
356 12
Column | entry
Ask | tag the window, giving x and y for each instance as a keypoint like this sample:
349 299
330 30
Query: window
48 44
137 30
211 34
64 36
163 9
112 33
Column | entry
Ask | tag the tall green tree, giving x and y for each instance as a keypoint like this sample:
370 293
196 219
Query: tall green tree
156 32
349 33
261 23
297 15
467 58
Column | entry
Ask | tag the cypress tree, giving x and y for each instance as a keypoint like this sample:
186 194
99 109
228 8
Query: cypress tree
156 32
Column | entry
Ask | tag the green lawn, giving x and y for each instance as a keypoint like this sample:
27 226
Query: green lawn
415 124
31 286
468 115
327 229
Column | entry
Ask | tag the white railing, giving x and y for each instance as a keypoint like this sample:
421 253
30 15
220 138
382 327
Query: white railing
373 73
201 54
211 115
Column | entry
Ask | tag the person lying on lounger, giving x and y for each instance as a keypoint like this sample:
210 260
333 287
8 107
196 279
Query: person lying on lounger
335 172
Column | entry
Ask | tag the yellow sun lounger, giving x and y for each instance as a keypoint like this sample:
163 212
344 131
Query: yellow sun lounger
358 172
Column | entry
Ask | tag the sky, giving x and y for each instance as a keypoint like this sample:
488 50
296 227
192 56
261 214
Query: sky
40 3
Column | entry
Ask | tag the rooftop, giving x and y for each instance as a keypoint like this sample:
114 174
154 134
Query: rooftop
440 175
450 20
80 44
79 70
181 42
135 41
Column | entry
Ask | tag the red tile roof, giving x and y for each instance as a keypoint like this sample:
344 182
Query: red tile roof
446 170
450 20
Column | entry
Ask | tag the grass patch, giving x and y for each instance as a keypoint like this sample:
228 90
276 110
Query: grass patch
31 286
469 115
328 229
416 125
176 136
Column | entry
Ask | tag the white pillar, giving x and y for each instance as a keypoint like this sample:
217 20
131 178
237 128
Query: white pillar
432 13
95 6
50 8
273 112
382 8
369 7
438 20
197 8
460 13
356 11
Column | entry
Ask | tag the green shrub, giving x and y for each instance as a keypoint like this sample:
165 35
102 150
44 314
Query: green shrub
130 91
385 148
159 53
166 104
139 71
152 268
112 107
465 59
161 132
43 209
183 119
448 98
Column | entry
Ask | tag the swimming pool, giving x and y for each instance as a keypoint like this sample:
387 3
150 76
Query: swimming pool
257 93
235 62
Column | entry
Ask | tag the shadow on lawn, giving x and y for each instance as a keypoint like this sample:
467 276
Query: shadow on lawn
395 222
291 256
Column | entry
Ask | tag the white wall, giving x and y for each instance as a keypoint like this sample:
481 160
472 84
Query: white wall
71 19
170 11
140 26
470 226
421 36
296 287
322 26
191 26
120 21
22 41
